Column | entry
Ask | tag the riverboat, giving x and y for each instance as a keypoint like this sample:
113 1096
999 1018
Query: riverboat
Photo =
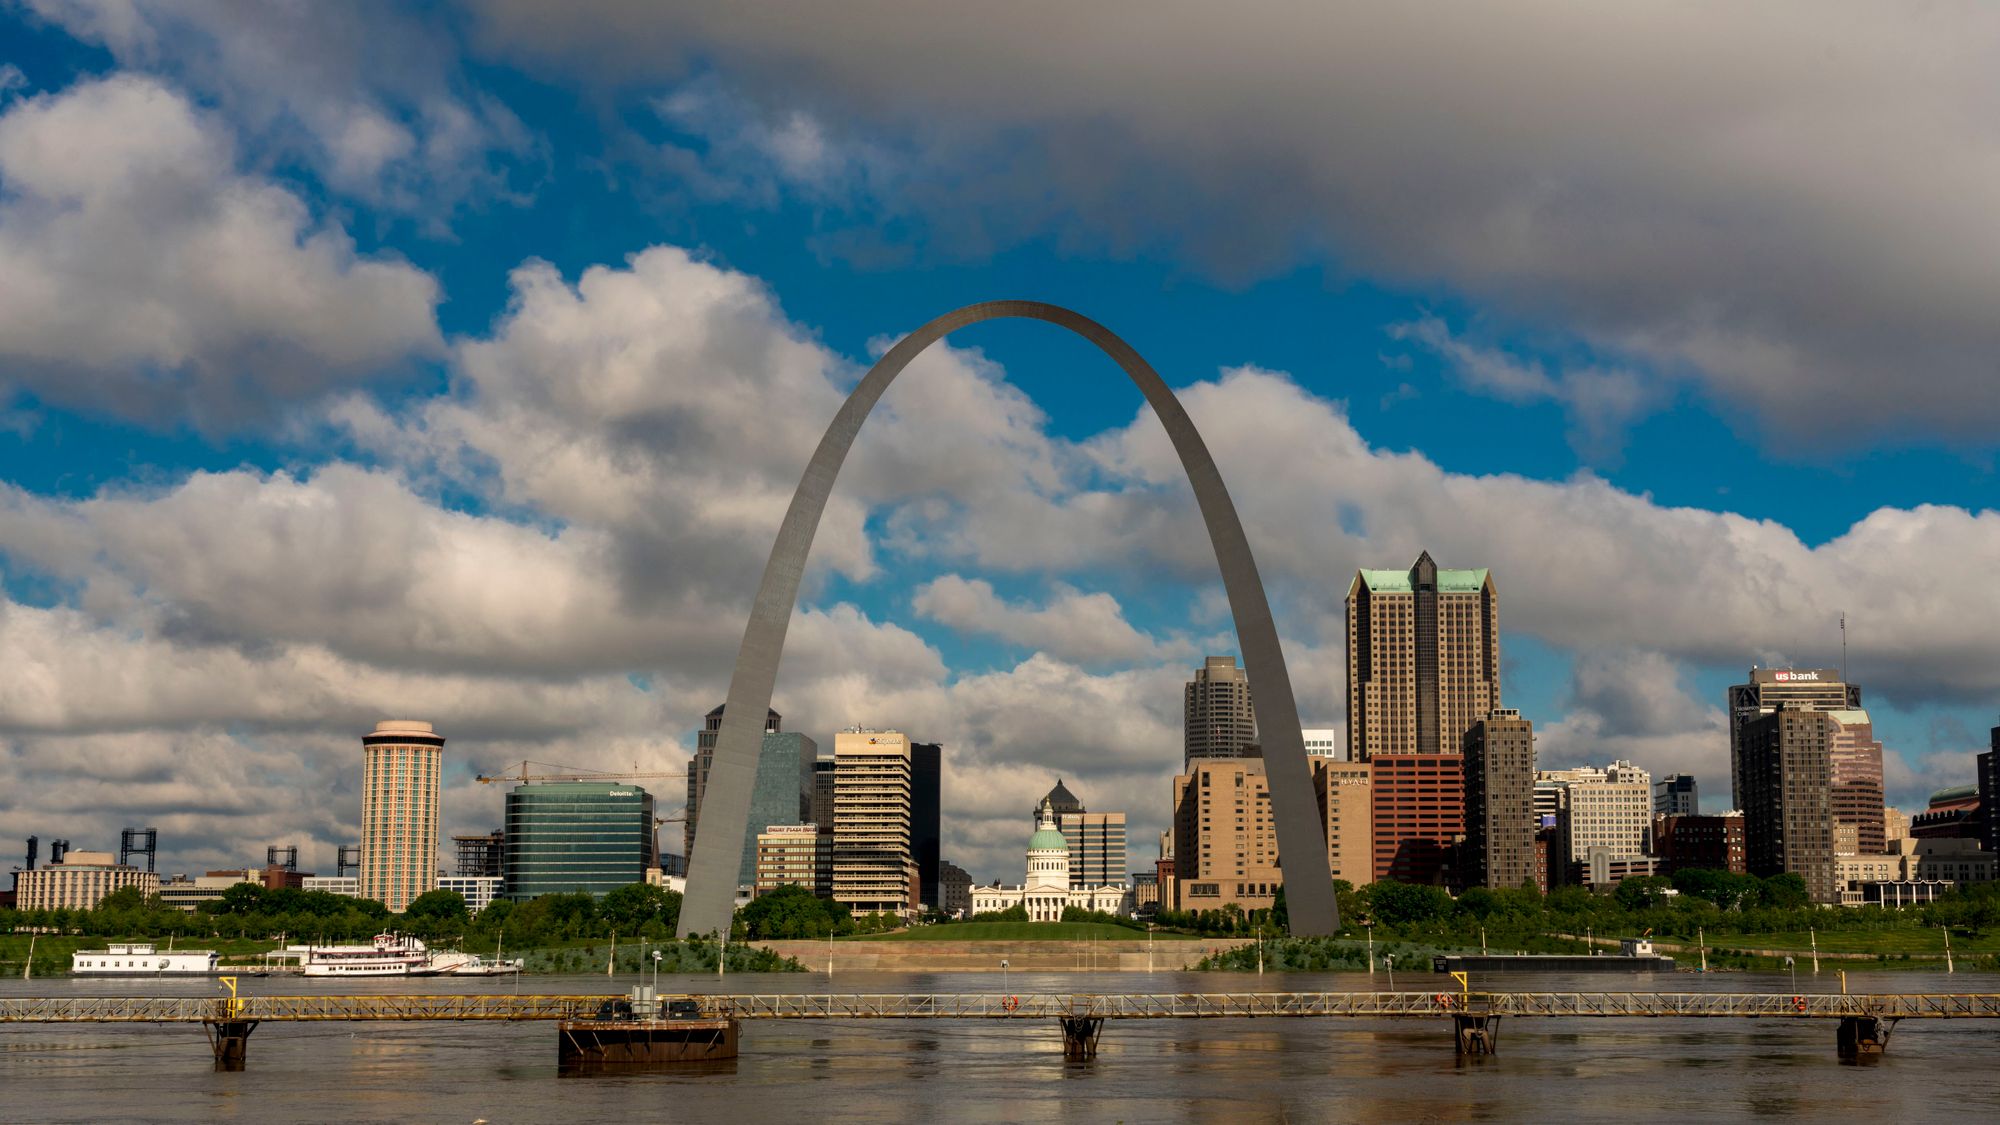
143 959
395 955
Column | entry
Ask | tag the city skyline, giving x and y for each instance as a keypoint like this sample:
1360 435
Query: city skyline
487 409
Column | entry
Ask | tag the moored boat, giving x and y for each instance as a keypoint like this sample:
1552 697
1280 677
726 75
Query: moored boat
143 959
394 955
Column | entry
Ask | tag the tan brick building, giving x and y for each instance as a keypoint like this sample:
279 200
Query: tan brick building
1225 843
79 882
796 855
1346 811
1423 658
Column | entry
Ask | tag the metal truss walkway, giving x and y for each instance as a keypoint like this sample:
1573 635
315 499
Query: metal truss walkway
1111 1006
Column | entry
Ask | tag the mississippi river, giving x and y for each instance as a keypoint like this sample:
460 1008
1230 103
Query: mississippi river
1622 1070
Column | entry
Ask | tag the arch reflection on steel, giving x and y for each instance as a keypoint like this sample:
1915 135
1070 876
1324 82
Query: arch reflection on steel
725 809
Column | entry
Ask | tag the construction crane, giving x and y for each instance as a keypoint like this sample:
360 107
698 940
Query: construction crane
552 772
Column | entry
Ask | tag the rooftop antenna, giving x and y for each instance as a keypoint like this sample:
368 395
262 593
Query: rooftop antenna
1843 646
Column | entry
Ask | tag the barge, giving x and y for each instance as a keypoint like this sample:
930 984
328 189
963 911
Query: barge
1634 956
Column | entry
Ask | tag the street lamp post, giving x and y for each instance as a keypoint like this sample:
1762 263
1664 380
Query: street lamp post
1003 974
1389 961
656 972
1793 967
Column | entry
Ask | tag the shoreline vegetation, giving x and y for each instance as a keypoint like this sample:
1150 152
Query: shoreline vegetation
1742 922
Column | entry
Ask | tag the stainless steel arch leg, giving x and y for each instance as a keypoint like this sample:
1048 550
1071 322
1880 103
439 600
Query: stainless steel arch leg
725 811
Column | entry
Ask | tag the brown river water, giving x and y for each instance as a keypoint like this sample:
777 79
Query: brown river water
1616 1070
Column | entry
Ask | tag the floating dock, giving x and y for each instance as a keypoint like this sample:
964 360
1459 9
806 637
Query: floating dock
608 1044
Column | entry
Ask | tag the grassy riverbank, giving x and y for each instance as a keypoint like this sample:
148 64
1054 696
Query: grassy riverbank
52 951
1020 931
1864 951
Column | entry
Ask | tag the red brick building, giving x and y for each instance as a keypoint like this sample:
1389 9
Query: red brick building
1711 842
1419 819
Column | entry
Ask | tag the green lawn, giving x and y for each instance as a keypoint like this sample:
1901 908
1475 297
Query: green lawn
1021 931
52 950
1914 941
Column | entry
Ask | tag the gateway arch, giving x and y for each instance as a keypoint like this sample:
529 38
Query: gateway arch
725 810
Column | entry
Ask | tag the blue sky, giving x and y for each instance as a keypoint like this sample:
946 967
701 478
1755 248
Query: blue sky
295 433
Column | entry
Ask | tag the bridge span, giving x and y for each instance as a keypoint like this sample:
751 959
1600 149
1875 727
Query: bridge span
1865 1019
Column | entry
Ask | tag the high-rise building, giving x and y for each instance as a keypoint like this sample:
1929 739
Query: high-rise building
565 836
1609 809
1713 843
697 779
1989 794
927 818
1225 842
1423 658
1347 812
1096 840
1500 801
874 856
1787 775
1802 689
781 794
1676 795
1857 781
1419 815
1217 720
401 764
794 854
822 795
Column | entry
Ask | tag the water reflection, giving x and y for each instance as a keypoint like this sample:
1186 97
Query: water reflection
1015 1072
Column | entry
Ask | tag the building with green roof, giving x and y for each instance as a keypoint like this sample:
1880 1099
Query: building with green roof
1423 658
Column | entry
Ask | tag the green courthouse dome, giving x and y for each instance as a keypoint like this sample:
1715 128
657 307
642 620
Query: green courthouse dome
1047 840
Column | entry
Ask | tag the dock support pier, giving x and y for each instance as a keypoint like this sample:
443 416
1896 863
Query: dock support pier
231 1041
1475 1033
1080 1036
1863 1037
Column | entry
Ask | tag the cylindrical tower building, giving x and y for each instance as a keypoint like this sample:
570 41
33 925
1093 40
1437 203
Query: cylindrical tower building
399 811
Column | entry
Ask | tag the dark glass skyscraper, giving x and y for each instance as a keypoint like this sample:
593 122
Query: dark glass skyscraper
926 817
560 837
697 779
782 793
1989 793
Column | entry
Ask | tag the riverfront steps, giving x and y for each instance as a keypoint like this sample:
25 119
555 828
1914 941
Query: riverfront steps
1865 1019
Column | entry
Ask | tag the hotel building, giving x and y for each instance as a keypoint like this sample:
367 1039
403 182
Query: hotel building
402 761
1423 658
